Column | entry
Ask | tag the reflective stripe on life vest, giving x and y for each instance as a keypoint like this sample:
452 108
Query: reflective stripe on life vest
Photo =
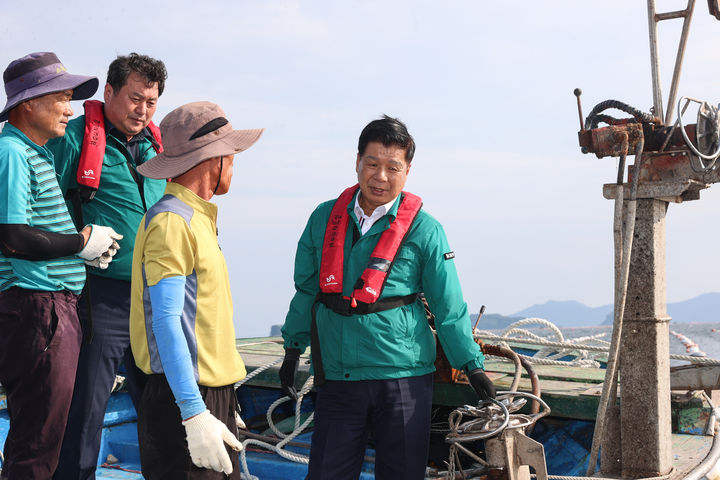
372 280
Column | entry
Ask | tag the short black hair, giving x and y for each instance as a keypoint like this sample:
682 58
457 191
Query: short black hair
389 131
150 69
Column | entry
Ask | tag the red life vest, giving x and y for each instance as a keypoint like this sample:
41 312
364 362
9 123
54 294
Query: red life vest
371 282
93 147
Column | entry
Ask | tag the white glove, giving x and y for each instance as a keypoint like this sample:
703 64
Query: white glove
206 438
102 242
100 262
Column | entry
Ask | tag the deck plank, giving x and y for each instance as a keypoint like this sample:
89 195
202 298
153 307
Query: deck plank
562 390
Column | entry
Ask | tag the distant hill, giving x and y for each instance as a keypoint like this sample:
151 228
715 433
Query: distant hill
701 309
704 308
489 321
493 321
568 313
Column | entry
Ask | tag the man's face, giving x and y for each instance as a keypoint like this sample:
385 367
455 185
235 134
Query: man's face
226 174
49 115
382 172
131 108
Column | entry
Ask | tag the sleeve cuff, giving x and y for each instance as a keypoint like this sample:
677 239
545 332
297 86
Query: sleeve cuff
190 408
477 362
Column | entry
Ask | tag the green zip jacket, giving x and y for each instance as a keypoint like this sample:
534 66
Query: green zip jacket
117 202
394 343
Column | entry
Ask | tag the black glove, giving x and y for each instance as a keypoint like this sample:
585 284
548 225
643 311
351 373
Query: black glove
482 385
288 370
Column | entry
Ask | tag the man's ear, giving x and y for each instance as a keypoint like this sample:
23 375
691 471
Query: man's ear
108 92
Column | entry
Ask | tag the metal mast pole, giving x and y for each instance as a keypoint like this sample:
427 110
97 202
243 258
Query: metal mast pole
654 61
687 15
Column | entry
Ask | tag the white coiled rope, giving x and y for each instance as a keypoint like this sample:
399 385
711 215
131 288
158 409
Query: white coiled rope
557 349
297 430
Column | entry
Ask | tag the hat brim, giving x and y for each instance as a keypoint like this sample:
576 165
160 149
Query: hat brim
82 86
165 166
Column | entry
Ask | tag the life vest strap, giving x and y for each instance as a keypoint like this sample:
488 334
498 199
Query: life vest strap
343 305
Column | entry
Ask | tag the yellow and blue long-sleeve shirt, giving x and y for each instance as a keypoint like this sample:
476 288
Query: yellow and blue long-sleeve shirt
178 238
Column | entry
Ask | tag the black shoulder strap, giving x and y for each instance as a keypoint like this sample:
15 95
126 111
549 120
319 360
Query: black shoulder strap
138 181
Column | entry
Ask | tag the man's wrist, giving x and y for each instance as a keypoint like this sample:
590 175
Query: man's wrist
191 408
292 353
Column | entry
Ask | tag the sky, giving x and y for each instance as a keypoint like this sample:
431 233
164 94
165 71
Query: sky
485 88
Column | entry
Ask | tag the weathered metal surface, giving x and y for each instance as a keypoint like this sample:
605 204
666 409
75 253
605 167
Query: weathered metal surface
515 452
608 141
695 377
691 413
670 167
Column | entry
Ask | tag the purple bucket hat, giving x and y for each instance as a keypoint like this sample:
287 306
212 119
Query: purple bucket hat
41 73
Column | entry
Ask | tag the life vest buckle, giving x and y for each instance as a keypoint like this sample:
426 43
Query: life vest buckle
352 302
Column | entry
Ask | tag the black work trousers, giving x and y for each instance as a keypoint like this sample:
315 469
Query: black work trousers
164 453
40 339
395 412
99 362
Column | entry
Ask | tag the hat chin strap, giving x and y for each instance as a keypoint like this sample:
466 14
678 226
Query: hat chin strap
220 176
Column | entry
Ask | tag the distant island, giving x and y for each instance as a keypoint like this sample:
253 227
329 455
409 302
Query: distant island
704 308
701 309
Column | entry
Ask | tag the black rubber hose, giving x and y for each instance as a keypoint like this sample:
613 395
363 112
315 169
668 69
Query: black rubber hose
594 116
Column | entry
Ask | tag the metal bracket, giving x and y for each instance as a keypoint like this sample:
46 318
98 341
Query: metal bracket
515 452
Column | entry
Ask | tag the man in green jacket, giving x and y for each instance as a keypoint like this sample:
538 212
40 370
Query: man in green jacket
134 83
360 264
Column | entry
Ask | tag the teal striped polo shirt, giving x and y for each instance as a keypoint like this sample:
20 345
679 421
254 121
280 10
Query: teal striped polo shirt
30 195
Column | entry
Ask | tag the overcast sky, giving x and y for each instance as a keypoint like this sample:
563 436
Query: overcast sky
484 87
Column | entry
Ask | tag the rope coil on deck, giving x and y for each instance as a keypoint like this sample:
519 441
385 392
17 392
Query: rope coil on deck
551 355
286 439
489 419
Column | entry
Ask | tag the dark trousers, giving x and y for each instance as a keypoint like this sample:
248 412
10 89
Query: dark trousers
39 343
99 362
164 453
395 412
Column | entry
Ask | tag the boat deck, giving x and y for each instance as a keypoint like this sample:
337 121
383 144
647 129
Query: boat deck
572 393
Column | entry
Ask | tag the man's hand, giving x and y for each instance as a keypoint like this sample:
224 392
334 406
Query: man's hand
100 245
102 262
482 385
288 370
206 438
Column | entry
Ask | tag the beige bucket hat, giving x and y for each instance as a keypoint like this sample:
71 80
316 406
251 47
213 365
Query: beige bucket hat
192 134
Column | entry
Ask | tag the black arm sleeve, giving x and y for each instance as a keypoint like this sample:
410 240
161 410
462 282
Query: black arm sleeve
30 243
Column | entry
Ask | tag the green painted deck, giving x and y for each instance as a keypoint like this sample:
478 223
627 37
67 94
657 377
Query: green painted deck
570 392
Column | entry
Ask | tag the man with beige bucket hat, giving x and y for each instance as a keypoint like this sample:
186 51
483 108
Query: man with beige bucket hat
181 319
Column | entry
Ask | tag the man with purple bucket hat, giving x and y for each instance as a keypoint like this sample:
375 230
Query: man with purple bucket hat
41 264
